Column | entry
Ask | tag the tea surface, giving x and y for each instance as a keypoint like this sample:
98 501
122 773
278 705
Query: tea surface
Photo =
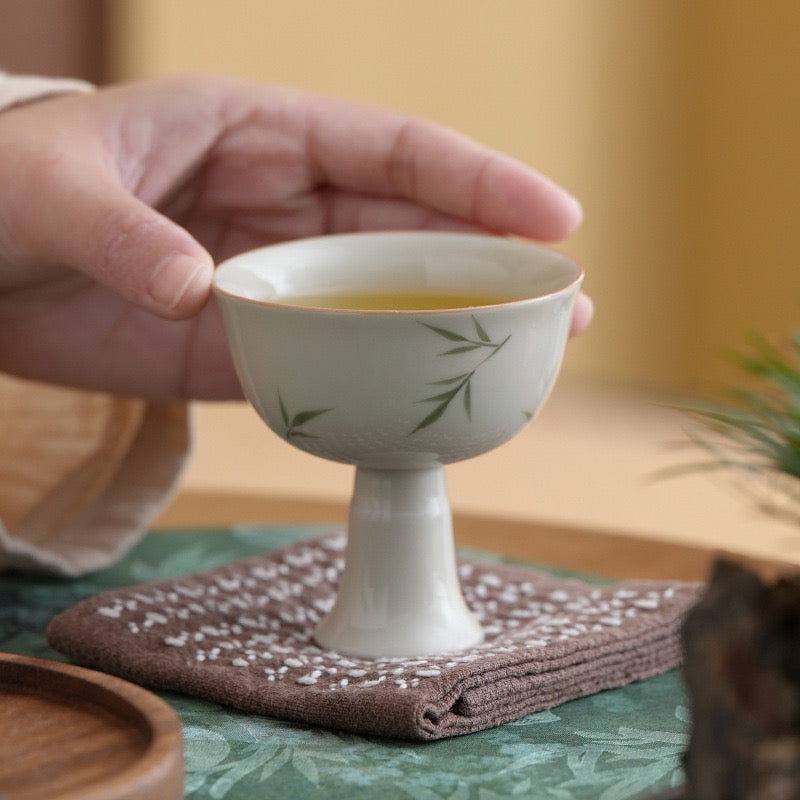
415 300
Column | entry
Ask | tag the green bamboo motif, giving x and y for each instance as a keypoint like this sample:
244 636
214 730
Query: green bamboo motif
461 384
294 423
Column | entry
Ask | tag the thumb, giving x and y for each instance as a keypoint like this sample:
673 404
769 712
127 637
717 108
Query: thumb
105 232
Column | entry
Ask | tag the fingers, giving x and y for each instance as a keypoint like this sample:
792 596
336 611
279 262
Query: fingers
372 151
93 225
582 314
140 254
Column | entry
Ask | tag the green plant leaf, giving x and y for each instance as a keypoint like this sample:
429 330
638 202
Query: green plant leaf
760 430
468 400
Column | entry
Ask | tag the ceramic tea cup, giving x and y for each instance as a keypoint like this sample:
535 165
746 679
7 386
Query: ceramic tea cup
344 348
397 389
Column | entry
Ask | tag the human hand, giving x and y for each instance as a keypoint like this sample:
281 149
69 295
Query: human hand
114 207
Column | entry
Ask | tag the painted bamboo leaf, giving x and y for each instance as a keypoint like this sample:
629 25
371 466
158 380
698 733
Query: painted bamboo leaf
306 416
284 412
463 381
293 424
448 396
482 335
432 417
496 348
463 349
447 381
452 335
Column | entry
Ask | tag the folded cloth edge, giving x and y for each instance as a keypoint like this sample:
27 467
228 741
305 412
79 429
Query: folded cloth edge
449 705
457 712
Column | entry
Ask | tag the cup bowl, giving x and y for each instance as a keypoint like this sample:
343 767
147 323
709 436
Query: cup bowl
397 389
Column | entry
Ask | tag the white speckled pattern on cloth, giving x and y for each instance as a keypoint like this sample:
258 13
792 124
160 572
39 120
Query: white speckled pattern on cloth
241 635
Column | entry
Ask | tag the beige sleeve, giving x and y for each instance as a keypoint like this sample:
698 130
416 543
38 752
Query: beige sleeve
81 473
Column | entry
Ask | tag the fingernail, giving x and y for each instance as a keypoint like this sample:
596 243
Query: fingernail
576 210
179 277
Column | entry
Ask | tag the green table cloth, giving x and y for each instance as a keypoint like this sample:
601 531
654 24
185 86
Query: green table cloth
613 745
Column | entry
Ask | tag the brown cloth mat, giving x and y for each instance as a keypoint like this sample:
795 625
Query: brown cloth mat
241 635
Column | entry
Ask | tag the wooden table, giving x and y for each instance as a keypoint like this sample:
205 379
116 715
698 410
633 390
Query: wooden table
591 551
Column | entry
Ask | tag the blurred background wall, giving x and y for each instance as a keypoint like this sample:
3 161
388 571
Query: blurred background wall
54 37
676 122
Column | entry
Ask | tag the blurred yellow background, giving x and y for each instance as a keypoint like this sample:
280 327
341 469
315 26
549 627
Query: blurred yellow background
676 122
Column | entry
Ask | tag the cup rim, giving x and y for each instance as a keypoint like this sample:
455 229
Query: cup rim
220 272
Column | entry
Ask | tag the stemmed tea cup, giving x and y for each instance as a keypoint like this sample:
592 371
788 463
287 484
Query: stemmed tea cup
347 349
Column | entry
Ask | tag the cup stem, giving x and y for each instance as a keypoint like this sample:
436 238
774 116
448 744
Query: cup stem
399 594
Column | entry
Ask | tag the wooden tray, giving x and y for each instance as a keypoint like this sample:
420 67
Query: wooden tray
68 733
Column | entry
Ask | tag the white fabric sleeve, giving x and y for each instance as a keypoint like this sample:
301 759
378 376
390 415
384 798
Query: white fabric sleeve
16 89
